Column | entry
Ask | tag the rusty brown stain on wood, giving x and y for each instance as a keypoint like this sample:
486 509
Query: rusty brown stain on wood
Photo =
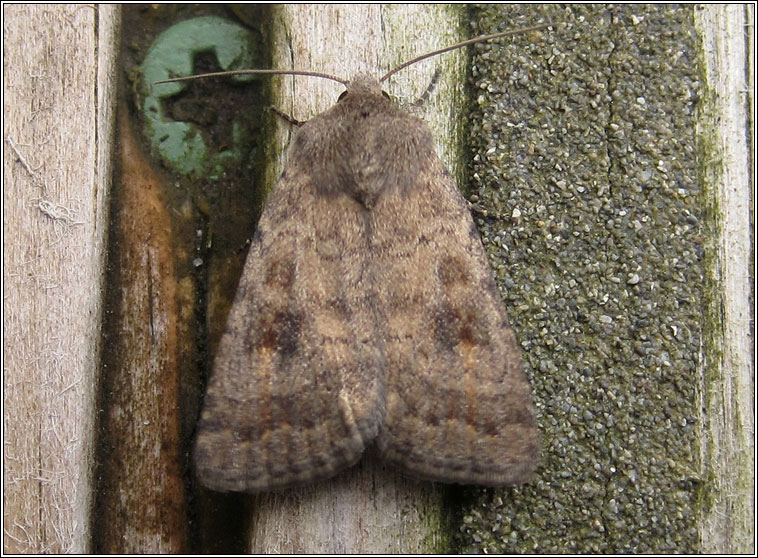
141 504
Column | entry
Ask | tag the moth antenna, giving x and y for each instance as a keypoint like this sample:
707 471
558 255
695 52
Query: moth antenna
463 44
257 72
432 84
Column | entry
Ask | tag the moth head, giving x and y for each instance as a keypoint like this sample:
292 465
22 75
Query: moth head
363 84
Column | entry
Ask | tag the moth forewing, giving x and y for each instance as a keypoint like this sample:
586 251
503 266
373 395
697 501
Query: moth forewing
366 312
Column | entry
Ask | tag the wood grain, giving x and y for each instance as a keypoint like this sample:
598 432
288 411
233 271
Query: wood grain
725 127
57 134
141 503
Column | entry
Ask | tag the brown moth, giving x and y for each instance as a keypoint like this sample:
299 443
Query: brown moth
367 313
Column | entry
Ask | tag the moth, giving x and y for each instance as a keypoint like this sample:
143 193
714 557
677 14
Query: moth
367 314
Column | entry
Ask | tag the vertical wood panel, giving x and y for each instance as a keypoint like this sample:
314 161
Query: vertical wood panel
58 126
726 135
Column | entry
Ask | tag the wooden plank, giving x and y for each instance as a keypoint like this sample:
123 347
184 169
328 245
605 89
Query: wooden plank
58 106
141 503
149 385
368 508
725 130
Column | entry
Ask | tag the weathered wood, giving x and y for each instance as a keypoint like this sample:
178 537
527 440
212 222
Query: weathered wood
58 100
158 298
368 508
725 125
141 504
